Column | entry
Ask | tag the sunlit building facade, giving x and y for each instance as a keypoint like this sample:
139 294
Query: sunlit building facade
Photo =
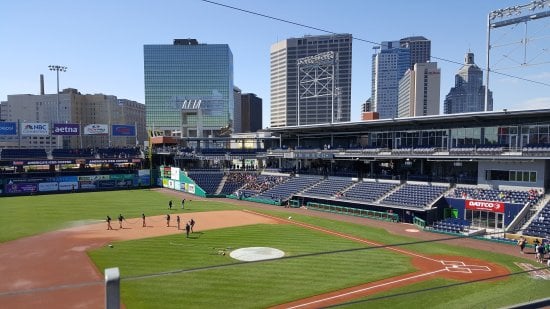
189 88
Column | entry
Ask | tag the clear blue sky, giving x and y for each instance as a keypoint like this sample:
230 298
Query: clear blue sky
102 41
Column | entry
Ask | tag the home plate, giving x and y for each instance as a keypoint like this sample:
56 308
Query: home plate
256 254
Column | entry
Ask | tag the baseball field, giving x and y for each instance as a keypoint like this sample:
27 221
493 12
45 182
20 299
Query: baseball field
54 249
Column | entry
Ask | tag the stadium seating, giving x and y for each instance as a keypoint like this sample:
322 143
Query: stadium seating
116 152
511 196
415 195
540 226
368 191
329 187
452 225
292 186
72 153
8 154
536 149
208 180
234 181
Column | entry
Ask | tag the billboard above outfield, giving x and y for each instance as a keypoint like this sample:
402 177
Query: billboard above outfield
96 129
35 128
66 129
8 128
123 130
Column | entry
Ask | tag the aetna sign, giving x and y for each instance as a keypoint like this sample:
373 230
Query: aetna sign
485 205
66 129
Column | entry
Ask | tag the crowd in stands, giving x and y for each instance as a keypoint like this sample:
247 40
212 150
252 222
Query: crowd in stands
73 153
511 196
293 185
9 153
118 152
234 181
260 183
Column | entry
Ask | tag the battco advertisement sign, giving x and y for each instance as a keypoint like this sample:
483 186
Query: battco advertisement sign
96 129
35 128
8 128
66 129
485 206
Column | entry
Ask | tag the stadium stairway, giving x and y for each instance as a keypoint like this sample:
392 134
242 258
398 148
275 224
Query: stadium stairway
535 214
221 185
389 193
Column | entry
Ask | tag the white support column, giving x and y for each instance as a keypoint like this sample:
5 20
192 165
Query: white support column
112 288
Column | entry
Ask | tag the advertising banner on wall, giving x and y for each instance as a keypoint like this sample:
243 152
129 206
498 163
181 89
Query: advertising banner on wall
96 129
106 184
177 185
123 130
93 177
485 206
35 128
8 128
68 185
66 129
48 186
21 187
175 173
191 188
86 184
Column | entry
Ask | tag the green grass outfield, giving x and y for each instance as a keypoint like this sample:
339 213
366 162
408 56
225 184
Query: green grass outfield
190 283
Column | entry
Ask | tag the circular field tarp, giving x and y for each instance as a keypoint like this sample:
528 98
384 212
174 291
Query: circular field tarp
256 254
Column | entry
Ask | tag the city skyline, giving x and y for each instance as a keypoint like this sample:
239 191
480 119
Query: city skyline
101 42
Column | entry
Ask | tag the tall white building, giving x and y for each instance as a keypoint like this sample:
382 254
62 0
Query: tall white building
311 94
419 91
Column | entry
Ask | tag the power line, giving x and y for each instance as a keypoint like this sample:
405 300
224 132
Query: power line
437 287
353 37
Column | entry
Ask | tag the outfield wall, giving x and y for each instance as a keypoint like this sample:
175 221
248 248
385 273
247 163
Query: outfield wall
69 183
176 179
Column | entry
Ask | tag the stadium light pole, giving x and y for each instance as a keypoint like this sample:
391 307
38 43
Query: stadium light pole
57 69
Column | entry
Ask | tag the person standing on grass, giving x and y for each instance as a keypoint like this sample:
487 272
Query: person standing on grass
192 224
109 227
187 229
120 218
167 220
170 205
143 219
183 204
178 221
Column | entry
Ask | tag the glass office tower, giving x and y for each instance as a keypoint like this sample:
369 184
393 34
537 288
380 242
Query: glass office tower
189 88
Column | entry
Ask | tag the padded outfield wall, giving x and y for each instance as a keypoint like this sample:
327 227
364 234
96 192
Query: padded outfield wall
70 183
176 179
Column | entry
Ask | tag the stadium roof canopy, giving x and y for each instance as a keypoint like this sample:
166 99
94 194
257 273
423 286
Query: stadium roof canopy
448 121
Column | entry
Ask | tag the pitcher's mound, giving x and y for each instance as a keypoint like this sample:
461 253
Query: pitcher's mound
256 254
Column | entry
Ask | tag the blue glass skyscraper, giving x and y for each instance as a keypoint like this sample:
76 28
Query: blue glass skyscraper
389 64
189 88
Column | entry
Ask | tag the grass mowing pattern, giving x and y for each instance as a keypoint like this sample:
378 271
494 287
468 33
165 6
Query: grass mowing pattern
245 285
476 295
29 215
288 279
